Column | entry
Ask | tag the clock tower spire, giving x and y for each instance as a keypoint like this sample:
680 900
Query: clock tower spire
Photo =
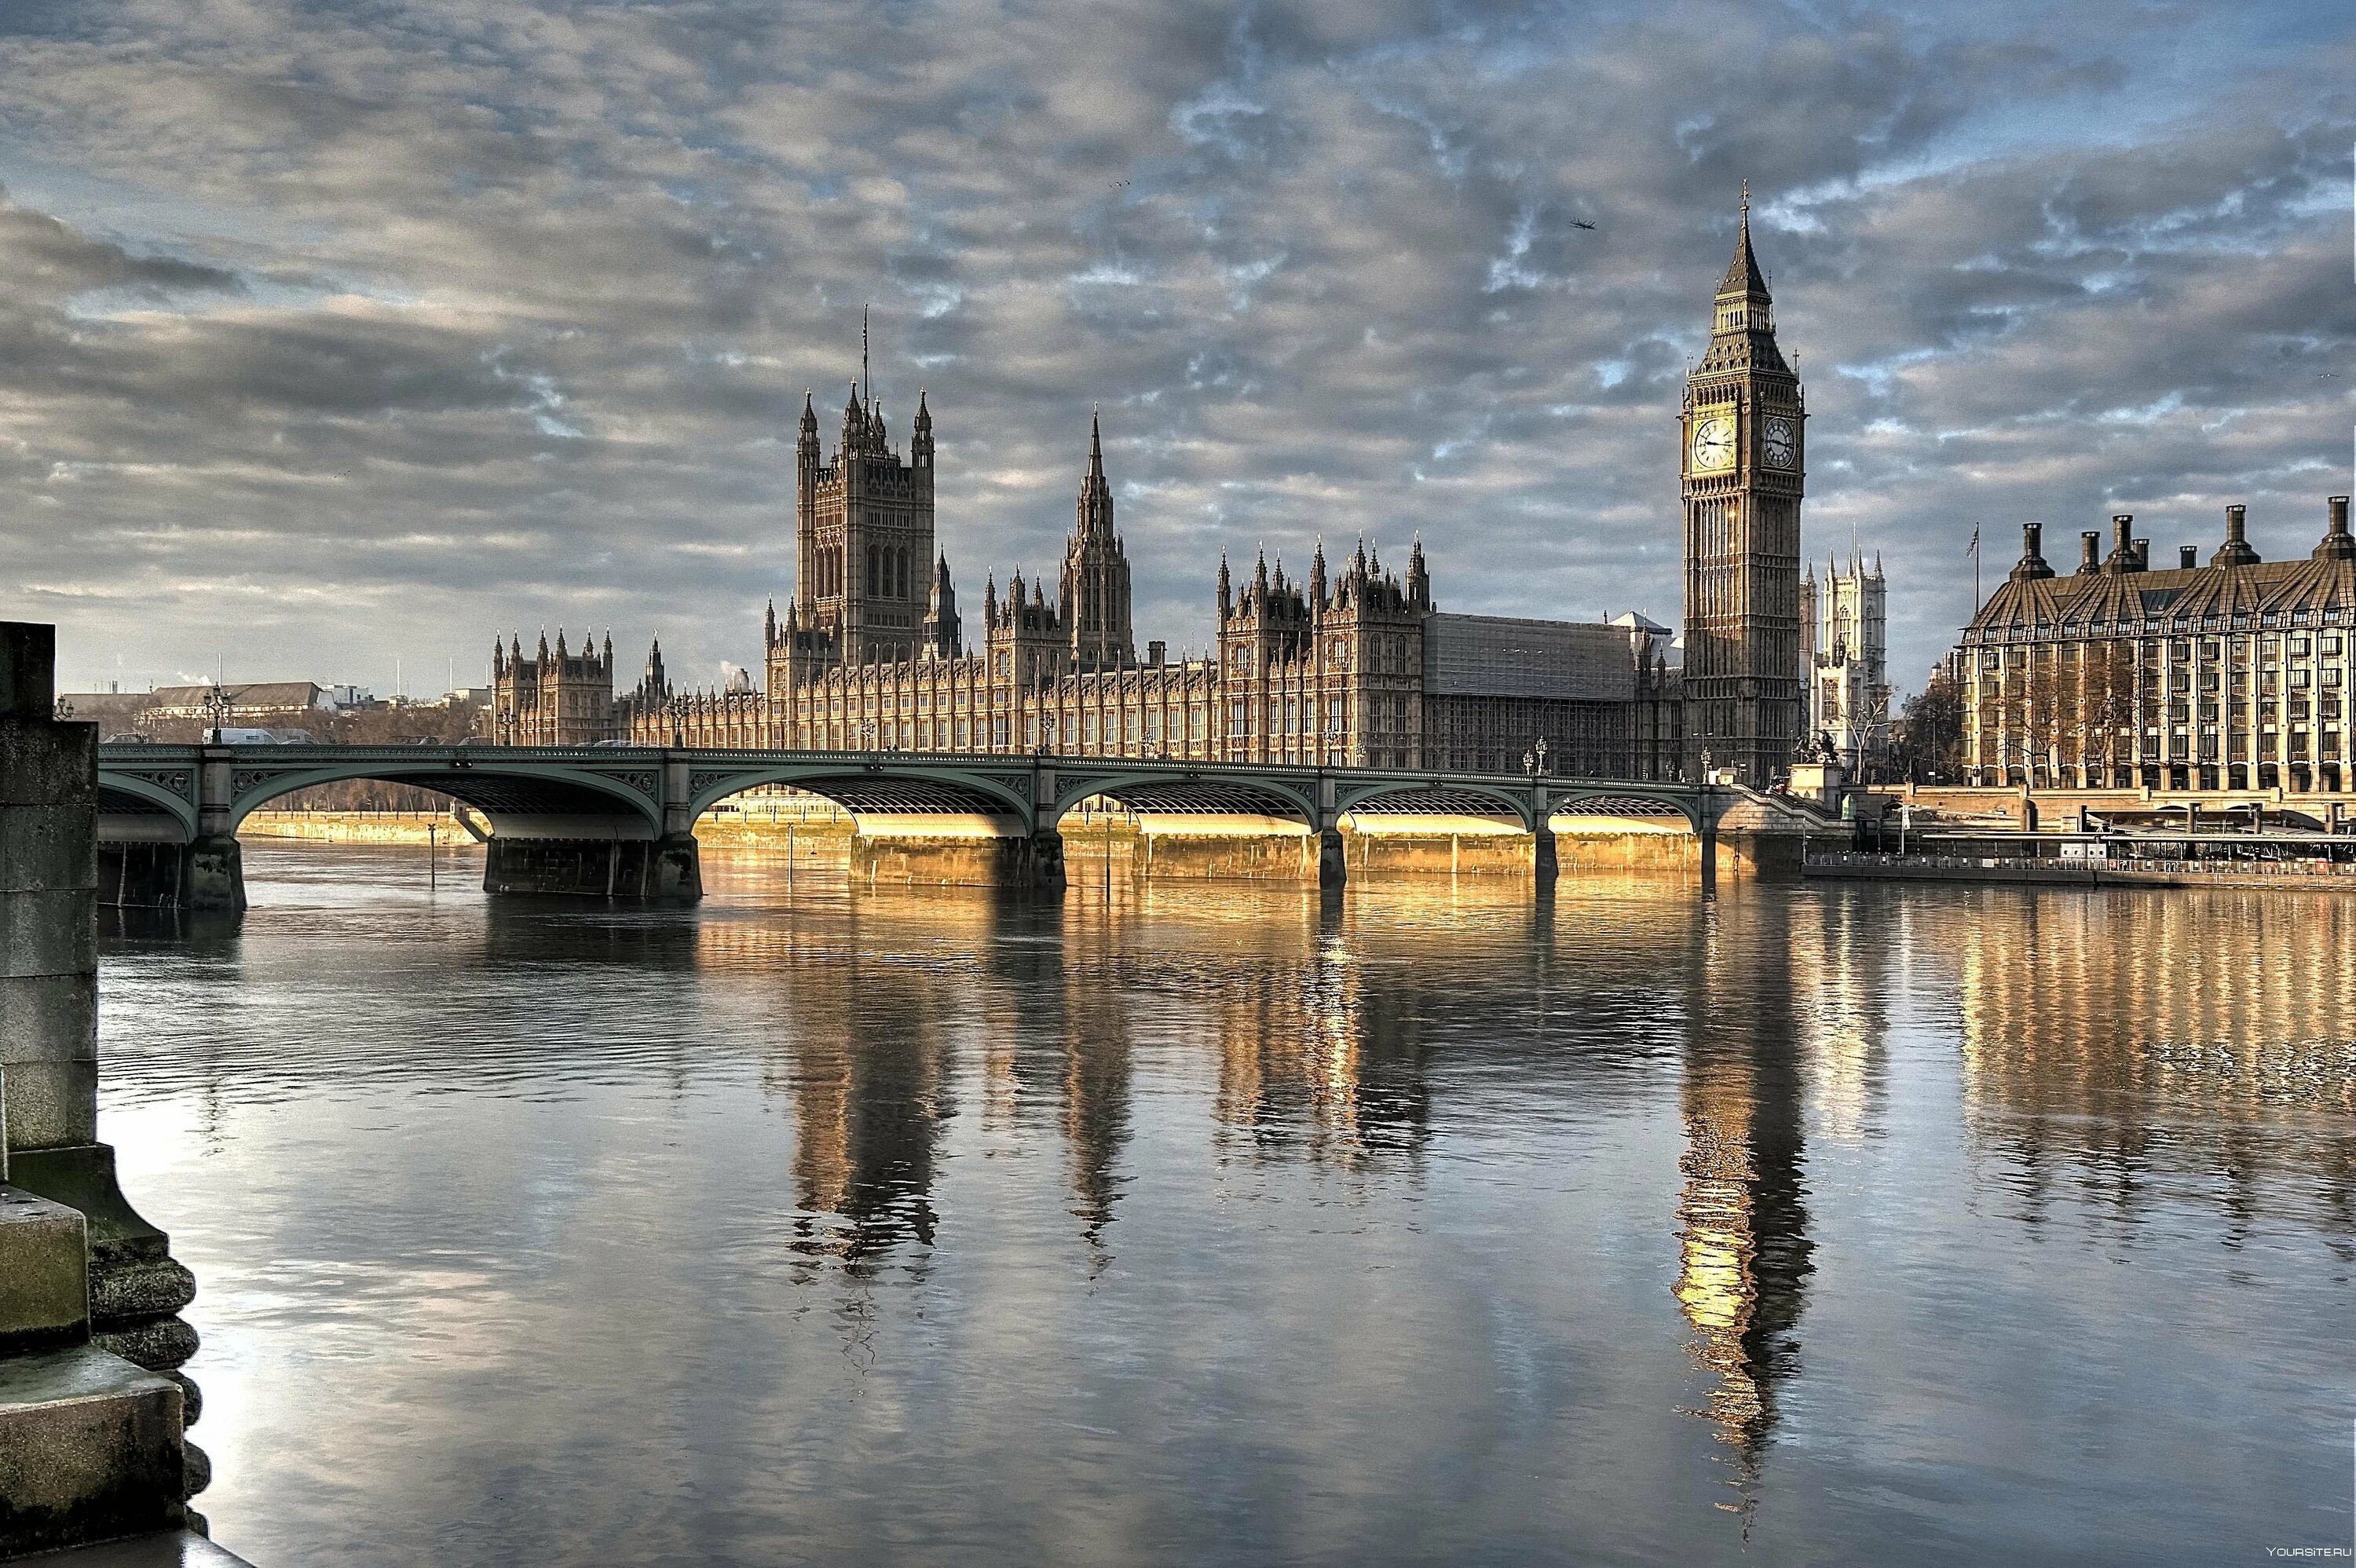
1742 483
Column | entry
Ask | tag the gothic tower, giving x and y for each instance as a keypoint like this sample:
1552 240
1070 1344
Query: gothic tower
864 533
1095 589
1743 481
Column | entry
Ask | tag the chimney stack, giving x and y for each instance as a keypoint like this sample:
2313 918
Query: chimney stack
2188 556
2121 543
2337 543
2032 560
2090 552
2235 551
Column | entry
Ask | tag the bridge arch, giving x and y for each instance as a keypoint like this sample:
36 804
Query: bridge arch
529 799
143 806
1622 800
1188 790
882 788
1469 798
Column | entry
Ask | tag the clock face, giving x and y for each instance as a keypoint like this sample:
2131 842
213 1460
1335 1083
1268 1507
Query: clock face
1713 445
1779 442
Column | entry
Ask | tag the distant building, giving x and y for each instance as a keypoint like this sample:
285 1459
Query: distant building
1744 477
258 704
558 698
1350 665
1347 667
1845 648
2229 676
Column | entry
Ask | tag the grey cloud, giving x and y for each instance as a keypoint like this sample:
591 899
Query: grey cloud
560 274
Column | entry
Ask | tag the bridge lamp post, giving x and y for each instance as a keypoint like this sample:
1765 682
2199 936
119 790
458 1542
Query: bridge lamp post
217 703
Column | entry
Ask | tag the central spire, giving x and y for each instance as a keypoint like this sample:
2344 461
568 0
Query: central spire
1743 280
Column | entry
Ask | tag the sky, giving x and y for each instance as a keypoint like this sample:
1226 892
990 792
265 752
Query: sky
337 337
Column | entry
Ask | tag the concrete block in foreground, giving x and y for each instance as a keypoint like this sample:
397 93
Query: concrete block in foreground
44 1273
89 1450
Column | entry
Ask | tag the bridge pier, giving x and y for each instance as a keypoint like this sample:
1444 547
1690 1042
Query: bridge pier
668 869
203 874
67 1476
1042 860
213 874
1332 865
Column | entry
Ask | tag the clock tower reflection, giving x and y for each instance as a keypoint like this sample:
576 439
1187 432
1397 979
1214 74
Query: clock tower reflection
1745 1247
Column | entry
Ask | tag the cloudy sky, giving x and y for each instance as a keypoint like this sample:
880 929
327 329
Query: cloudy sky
337 332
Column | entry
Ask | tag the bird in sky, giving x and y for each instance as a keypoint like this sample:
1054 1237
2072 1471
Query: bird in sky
1118 184
1581 223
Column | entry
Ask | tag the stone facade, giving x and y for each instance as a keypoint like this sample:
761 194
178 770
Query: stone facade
1845 648
555 699
1351 666
2229 676
1743 478
1333 669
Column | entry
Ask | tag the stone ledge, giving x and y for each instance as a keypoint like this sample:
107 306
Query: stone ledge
89 1450
167 1548
44 1272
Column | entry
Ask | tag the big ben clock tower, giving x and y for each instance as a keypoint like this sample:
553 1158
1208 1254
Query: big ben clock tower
1743 478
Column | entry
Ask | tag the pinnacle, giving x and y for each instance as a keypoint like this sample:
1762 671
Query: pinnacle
1742 275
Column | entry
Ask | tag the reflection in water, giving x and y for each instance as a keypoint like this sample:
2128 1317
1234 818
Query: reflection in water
1311 1060
1839 964
1096 1060
1745 1251
2114 1042
1406 1227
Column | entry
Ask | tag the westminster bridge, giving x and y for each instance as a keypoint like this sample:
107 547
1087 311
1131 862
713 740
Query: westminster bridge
618 822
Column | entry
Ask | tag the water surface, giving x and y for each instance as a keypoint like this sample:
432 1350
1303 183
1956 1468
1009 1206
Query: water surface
1225 1224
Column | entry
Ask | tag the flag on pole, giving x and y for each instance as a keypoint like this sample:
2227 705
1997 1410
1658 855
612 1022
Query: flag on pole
1973 548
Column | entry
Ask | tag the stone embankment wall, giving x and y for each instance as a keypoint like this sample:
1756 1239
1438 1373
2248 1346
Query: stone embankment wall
950 849
358 827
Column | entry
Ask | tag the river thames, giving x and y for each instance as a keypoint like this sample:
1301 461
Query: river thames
1219 1224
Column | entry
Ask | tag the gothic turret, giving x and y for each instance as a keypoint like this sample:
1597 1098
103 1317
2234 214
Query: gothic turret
1094 591
920 435
940 632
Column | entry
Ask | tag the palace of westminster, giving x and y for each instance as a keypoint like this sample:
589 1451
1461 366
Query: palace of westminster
1351 666
2229 676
